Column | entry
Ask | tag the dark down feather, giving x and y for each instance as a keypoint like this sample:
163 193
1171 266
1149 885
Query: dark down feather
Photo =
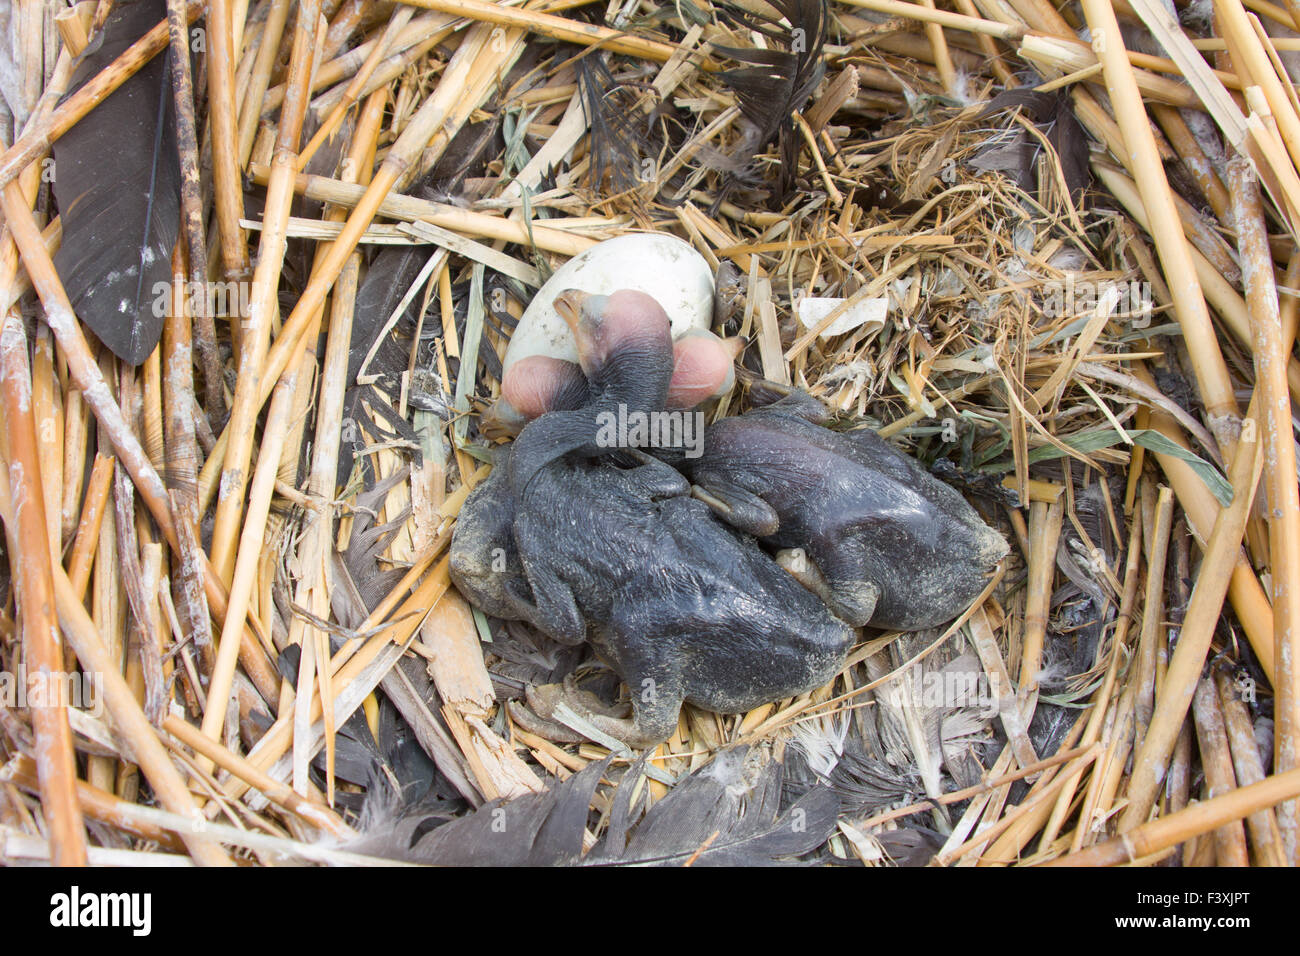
779 81
724 814
1053 112
117 182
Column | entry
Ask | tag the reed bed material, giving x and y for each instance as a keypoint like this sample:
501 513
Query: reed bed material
1082 223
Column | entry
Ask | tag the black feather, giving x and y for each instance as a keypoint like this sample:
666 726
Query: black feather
117 182
721 816
370 575
780 80
863 783
387 280
1053 112
536 829
369 417
620 137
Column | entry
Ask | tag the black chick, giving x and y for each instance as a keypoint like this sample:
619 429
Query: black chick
882 540
626 352
483 553
682 607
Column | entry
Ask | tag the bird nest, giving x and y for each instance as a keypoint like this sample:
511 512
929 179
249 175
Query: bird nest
1060 277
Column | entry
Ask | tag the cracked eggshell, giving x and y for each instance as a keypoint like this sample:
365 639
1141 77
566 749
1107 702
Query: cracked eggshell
660 265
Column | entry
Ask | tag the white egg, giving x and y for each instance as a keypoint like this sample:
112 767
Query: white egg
660 265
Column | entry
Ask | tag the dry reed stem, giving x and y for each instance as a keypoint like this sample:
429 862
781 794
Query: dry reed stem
1247 135
192 203
263 304
1194 160
1165 227
1006 847
1175 696
82 365
345 20
1230 306
978 806
482 225
251 543
252 104
1201 507
1282 503
228 202
1056 53
47 414
1250 56
1044 531
25 517
76 435
24 849
942 58
322 818
420 36
1041 15
1262 825
1033 804
558 28
1179 827
1178 783
95 803
1153 606
268 848
73 25
1216 763
955 21
92 518
129 720
182 452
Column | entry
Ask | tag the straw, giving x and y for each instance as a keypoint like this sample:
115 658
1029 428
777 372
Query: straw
1282 503
25 524
1166 228
1175 697
1174 828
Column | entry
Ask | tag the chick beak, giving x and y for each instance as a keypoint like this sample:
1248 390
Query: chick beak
599 327
582 316
569 304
